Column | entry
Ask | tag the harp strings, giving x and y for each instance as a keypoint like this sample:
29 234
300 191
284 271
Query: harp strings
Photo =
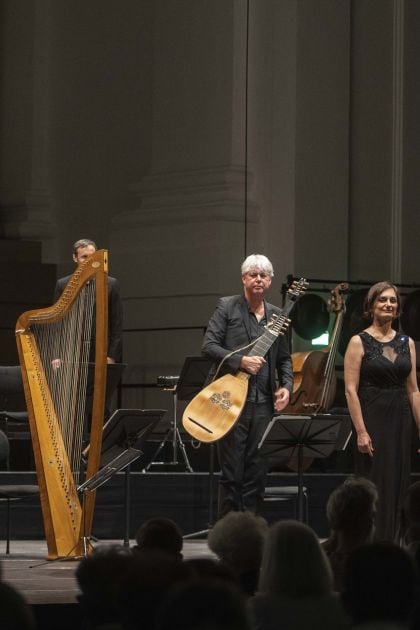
64 349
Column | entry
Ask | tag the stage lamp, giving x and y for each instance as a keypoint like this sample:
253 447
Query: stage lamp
322 340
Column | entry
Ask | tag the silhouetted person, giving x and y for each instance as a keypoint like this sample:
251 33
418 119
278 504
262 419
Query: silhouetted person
161 534
210 569
98 576
204 604
410 519
351 510
15 613
295 586
237 539
144 586
379 584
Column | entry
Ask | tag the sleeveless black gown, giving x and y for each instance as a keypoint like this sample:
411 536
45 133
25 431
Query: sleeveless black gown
388 419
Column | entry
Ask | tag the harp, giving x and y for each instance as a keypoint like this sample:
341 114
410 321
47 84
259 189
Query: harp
55 345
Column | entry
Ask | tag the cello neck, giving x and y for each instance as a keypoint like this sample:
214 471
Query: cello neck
332 351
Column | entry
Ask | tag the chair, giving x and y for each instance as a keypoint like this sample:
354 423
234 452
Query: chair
288 493
12 397
8 492
14 417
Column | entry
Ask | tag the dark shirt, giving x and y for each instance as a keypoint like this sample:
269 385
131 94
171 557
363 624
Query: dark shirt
115 317
229 330
259 384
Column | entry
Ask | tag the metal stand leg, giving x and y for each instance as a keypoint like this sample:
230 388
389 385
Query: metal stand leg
8 526
86 540
127 507
204 532
300 483
176 441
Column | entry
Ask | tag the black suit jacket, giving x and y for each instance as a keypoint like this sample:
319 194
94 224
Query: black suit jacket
115 315
228 329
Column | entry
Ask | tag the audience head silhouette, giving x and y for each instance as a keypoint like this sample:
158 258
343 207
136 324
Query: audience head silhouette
15 613
204 604
294 563
351 509
210 569
379 584
161 534
410 515
98 576
237 539
142 590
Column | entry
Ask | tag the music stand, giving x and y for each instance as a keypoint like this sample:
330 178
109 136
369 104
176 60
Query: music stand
123 436
190 381
313 436
114 372
193 375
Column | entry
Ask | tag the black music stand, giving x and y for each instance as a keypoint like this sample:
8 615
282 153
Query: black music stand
123 436
193 375
314 436
190 381
114 372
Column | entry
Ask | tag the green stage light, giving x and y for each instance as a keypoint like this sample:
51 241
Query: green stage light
322 340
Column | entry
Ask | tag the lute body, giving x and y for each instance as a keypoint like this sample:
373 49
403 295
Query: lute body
214 410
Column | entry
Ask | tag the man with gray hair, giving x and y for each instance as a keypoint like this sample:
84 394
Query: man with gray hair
238 321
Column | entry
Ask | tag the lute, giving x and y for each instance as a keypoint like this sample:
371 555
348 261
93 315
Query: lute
213 412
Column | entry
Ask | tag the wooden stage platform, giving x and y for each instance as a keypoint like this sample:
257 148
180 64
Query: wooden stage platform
50 587
53 582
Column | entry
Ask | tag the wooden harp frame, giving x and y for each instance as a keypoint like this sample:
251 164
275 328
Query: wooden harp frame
67 522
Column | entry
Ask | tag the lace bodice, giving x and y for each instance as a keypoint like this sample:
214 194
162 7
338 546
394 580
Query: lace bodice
385 363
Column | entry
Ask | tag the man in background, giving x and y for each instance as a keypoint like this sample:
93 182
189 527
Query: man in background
82 250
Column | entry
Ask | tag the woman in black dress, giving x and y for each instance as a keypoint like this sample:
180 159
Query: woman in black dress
382 396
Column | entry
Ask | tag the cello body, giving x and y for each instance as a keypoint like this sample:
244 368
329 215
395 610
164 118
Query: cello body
314 377
308 394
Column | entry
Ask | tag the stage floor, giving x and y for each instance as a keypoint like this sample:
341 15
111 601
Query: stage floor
50 587
53 582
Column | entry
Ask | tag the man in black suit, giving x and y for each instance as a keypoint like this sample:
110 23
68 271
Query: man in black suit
82 250
238 321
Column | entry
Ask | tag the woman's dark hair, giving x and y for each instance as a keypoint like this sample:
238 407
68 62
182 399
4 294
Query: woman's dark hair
373 294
